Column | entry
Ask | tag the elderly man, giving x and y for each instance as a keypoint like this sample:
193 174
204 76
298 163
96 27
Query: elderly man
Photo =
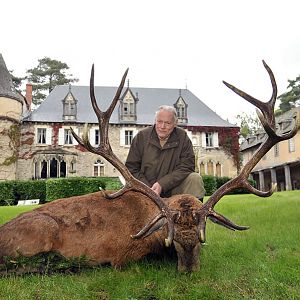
162 157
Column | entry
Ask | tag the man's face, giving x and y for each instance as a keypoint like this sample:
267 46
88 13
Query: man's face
164 124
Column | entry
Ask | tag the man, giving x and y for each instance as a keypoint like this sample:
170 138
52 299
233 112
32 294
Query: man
162 157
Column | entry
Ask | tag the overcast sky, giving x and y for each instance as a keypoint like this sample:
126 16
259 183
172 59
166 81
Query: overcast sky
165 43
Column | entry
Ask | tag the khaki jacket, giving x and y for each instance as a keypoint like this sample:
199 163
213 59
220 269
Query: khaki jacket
169 166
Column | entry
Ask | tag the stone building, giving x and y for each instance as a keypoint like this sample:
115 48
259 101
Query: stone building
47 149
281 165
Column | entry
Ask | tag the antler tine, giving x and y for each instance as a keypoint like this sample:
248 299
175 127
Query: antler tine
267 118
105 150
266 108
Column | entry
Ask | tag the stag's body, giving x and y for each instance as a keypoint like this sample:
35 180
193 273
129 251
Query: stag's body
90 225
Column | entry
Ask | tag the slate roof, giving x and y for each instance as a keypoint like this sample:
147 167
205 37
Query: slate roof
51 110
6 86
284 123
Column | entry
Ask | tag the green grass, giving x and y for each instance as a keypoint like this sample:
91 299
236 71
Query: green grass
261 263
9 212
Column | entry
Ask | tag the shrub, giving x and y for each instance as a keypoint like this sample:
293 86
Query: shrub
210 184
30 189
6 192
11 191
68 187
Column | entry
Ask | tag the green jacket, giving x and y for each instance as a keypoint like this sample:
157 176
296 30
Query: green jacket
169 166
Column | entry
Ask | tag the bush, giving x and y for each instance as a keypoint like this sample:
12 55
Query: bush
6 192
30 189
212 183
68 187
12 191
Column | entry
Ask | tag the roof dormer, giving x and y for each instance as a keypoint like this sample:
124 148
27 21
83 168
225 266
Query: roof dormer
69 107
181 109
127 108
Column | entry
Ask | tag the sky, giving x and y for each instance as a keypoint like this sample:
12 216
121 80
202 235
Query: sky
192 44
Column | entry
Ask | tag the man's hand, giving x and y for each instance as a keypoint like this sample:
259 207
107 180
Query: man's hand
156 187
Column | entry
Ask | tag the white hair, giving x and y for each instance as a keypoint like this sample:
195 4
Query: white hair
169 109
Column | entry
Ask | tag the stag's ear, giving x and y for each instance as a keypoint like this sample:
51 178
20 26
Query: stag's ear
150 228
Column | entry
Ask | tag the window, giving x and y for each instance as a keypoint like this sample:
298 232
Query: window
41 135
68 137
209 139
98 168
202 168
210 168
128 108
97 137
128 137
218 170
292 145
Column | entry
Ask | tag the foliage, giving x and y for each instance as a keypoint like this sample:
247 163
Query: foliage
17 81
248 123
212 183
11 191
48 74
291 98
14 133
260 263
68 187
6 192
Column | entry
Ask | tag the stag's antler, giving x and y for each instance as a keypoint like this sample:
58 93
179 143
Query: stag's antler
105 150
267 118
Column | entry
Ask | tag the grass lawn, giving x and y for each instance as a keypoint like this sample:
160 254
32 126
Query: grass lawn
261 263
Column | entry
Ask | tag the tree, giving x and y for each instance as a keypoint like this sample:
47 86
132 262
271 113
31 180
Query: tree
48 74
17 81
249 124
291 98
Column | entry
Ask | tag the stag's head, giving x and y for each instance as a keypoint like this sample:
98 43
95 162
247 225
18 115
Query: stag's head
183 216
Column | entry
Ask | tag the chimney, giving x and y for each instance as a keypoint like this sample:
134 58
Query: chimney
28 95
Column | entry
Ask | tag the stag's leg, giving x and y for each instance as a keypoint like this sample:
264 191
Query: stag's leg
28 235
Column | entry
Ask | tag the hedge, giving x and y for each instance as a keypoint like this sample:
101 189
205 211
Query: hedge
48 190
11 191
14 190
67 187
212 183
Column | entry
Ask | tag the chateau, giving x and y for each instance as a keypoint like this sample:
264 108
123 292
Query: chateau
281 165
38 144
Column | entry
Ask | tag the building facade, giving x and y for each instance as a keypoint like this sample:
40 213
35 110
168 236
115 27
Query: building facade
281 165
45 147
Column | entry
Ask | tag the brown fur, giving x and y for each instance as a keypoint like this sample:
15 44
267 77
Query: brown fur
101 229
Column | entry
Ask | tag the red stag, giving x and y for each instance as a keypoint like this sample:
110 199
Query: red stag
110 227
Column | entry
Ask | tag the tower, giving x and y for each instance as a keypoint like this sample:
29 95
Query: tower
11 109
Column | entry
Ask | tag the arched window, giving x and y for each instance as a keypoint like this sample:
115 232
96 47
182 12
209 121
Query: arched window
218 170
44 169
53 168
210 168
202 169
63 169
98 168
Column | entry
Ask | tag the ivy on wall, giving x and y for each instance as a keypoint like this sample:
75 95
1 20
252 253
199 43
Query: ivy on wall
228 139
13 133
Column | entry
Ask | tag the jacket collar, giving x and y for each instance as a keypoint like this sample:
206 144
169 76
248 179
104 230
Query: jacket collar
172 142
